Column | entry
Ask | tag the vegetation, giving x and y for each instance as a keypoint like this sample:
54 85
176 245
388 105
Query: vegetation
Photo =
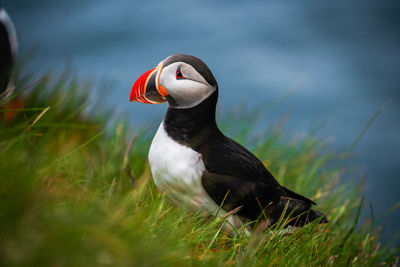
74 193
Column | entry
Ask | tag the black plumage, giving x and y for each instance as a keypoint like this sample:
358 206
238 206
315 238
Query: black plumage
7 49
234 177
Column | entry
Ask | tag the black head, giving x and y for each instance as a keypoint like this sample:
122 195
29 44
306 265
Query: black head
196 63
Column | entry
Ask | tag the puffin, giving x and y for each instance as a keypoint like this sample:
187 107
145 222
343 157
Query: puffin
199 168
8 49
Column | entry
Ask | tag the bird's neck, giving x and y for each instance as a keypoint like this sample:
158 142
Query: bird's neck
192 126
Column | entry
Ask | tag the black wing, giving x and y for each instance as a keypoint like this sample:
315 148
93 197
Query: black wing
237 178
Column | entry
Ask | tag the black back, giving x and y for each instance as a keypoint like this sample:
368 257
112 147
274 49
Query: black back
230 167
234 177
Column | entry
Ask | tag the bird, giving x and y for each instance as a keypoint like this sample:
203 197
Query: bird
8 49
196 165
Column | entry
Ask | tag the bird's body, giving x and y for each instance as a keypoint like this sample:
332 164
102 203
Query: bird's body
200 168
8 49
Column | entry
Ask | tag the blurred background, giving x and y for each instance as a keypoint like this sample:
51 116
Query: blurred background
335 60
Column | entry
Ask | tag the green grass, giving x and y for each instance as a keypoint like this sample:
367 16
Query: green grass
67 199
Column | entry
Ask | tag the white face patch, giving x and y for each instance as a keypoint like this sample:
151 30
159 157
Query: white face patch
188 91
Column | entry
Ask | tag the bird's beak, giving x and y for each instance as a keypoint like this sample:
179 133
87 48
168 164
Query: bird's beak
147 88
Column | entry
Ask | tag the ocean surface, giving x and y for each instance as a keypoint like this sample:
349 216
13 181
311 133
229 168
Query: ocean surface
337 60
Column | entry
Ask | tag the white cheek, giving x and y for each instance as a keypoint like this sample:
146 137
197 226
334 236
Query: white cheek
188 89
186 93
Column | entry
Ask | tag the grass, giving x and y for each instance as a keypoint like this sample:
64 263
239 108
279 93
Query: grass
67 199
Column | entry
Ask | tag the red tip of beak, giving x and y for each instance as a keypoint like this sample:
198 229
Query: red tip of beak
139 88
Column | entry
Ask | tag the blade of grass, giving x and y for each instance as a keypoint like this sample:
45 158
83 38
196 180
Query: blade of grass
37 118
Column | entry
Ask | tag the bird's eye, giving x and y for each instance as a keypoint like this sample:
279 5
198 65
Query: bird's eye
179 74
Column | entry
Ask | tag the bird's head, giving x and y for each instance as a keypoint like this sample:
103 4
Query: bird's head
182 80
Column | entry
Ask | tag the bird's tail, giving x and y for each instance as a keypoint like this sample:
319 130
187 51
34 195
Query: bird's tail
302 218
316 215
300 212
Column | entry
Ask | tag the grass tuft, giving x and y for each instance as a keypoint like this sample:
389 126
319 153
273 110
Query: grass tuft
68 199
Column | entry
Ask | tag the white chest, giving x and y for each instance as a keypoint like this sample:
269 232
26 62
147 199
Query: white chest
177 171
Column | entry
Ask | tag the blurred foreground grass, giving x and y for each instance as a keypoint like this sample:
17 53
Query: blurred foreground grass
66 199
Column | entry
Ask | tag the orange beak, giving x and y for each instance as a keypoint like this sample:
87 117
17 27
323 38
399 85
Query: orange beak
147 88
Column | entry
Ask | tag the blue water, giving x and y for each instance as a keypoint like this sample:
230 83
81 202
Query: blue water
340 58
